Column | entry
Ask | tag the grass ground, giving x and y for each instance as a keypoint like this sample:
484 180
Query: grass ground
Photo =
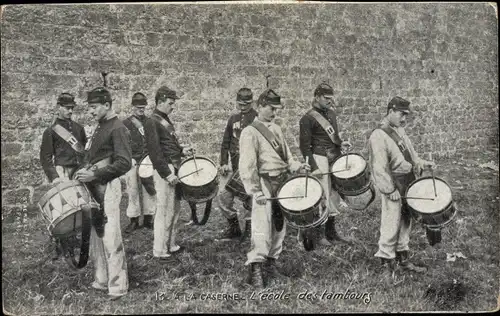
33 284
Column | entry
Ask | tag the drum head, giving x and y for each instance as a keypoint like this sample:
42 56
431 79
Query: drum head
296 187
206 174
424 188
356 164
145 168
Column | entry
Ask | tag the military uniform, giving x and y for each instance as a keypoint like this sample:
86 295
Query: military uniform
322 147
393 169
62 149
141 192
262 170
230 148
109 156
165 153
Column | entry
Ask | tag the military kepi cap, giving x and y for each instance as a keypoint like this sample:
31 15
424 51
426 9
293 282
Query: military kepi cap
139 99
66 99
399 104
99 95
164 93
244 95
323 89
269 97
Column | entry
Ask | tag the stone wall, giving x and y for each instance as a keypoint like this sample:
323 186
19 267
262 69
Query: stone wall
440 56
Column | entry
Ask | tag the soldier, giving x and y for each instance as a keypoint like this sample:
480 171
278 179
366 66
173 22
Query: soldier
165 153
265 163
141 191
230 148
109 156
393 161
62 148
320 141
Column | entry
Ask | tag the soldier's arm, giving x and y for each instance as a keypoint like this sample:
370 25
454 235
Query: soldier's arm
226 141
380 162
159 161
248 162
46 156
121 158
305 141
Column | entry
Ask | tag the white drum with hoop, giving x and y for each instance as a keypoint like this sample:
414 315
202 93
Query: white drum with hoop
145 169
62 204
300 209
429 208
199 179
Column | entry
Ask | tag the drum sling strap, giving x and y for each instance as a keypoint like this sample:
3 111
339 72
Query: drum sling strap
401 181
137 124
277 215
69 139
323 122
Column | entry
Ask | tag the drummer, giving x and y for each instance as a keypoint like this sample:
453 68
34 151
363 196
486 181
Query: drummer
263 168
141 194
165 153
393 170
62 147
230 148
108 158
321 143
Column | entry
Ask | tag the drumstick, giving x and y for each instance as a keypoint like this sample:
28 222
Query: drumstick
196 171
195 166
346 159
307 174
433 180
417 198
286 197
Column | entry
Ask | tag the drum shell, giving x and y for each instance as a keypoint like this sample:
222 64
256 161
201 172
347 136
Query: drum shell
61 207
138 166
436 219
354 185
312 216
200 194
235 186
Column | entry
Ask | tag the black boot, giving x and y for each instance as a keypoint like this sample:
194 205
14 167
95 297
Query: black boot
255 276
402 258
433 235
233 231
387 267
148 221
331 233
134 224
248 230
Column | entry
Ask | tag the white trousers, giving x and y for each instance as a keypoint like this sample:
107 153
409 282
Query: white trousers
266 242
332 197
139 200
394 230
166 217
107 253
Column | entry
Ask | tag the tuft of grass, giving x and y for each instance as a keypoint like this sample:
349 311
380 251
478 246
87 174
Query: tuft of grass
33 284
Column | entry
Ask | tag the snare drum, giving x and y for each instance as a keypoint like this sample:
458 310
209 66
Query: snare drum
304 211
201 186
432 213
61 206
351 178
145 169
235 186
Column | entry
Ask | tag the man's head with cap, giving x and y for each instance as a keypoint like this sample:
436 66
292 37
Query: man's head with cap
244 98
165 99
66 103
268 102
100 102
139 102
397 110
323 96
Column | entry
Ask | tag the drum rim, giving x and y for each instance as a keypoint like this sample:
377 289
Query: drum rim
198 157
350 178
452 206
139 163
317 223
429 177
56 189
300 176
